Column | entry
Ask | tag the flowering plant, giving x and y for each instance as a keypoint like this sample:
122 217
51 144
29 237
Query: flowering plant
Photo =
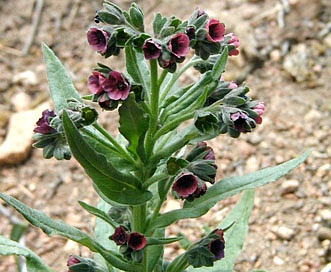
161 146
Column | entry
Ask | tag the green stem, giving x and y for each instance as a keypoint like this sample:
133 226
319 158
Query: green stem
173 124
176 75
178 264
162 77
139 218
119 148
154 106
158 206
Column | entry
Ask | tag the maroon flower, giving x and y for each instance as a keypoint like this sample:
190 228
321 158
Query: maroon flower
210 155
43 125
95 81
136 241
185 184
151 49
200 191
240 122
116 86
215 30
217 246
120 236
72 261
179 45
259 109
98 39
234 43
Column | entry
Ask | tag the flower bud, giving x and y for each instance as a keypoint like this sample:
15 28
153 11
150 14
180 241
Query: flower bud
95 81
259 109
233 44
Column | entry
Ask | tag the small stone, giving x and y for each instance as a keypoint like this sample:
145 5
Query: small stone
283 232
324 233
312 116
17 144
289 186
326 268
26 78
21 101
278 261
323 170
326 215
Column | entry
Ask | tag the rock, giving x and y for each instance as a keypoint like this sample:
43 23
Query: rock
289 186
325 215
326 268
283 232
21 101
324 233
278 261
323 170
17 144
299 63
26 78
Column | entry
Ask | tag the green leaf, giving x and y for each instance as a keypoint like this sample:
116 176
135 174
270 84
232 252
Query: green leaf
155 252
60 85
102 231
133 122
98 213
58 227
234 236
115 185
225 188
137 67
33 262
48 225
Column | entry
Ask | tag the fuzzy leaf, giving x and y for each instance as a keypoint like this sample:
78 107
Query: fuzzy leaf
33 262
115 185
60 85
226 188
133 122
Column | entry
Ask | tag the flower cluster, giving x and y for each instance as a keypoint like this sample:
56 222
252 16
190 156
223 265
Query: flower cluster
207 250
131 242
108 88
200 167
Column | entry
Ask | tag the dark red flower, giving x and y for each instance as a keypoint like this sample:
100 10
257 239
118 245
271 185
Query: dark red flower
95 81
116 86
234 43
72 261
151 49
210 155
120 236
43 124
240 122
136 241
185 184
200 191
217 246
98 39
179 45
215 30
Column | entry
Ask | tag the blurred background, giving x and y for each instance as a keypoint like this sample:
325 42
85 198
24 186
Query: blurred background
285 58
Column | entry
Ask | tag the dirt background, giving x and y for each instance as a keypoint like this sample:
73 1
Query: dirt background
285 57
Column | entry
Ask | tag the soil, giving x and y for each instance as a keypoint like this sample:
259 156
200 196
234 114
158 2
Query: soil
285 59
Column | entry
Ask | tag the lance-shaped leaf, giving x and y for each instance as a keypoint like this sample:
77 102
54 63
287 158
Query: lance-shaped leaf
234 236
117 186
226 188
133 122
60 85
58 227
33 262
137 67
